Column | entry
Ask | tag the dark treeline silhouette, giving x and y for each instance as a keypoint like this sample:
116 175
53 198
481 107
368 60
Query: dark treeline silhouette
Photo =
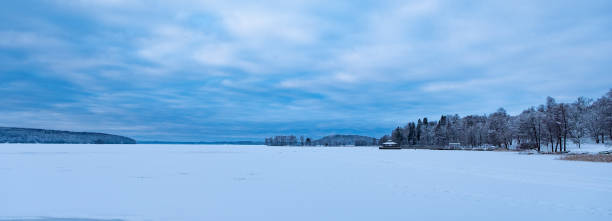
549 125
346 140
332 140
288 141
27 135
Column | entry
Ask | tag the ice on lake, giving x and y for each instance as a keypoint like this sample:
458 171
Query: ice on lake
225 182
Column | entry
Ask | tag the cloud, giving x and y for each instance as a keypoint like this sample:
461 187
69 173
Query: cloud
264 25
213 70
469 85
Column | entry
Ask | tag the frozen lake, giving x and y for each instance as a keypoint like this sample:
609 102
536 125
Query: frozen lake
207 182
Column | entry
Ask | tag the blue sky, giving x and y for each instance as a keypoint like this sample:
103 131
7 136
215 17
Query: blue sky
244 70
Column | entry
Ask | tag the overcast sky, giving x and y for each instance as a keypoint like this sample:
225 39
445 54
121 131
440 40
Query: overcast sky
243 70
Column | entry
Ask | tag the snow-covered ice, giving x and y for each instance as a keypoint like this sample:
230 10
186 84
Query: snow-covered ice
205 182
590 148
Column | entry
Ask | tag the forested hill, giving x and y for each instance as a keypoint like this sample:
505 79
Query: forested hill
27 135
332 140
342 140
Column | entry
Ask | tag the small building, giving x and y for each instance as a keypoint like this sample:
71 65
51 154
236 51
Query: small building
390 145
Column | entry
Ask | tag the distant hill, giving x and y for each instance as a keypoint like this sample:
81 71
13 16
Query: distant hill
346 140
204 142
28 135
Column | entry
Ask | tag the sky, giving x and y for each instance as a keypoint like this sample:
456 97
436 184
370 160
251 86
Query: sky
245 70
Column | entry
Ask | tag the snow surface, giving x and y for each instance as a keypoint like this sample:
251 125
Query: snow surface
216 182
590 148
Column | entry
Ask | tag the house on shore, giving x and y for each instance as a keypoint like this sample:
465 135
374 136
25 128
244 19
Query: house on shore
390 145
454 146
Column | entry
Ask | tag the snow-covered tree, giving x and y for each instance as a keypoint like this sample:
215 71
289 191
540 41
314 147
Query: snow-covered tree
397 135
578 118
499 128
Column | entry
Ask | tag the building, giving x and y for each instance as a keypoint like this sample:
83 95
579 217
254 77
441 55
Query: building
454 145
390 145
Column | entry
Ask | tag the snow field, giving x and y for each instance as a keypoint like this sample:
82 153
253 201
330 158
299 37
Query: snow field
227 182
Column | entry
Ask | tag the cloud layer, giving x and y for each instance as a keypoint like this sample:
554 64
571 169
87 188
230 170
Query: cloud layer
242 70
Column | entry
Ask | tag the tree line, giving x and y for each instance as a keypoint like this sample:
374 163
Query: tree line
332 140
551 126
290 140
29 135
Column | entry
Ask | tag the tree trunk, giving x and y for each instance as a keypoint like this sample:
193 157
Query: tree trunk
564 142
552 145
